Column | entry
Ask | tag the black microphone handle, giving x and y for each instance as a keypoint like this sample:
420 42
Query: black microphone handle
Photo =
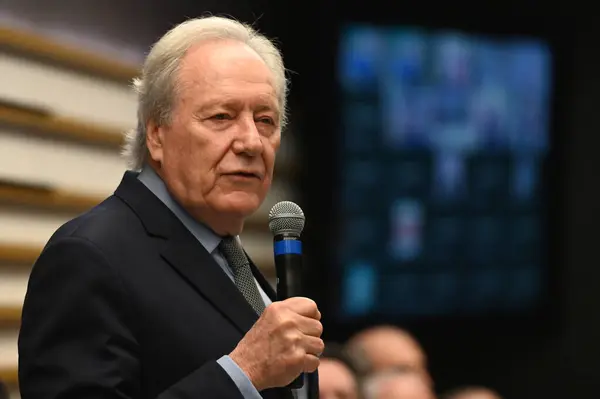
289 276
289 284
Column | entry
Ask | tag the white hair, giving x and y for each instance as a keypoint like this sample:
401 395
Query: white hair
157 86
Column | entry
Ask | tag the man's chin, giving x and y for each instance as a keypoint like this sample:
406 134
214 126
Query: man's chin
239 203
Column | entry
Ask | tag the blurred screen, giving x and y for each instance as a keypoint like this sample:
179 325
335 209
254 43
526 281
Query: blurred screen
443 138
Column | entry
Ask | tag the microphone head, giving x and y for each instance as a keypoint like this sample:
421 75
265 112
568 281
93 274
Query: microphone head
286 217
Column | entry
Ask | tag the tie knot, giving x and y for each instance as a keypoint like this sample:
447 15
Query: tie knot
232 251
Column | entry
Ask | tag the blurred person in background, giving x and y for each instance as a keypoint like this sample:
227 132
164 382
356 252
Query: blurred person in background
337 375
472 392
150 294
396 384
387 347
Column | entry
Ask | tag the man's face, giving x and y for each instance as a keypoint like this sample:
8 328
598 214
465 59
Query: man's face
388 349
336 381
217 155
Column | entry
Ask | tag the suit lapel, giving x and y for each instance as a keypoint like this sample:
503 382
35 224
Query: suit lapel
197 266
186 255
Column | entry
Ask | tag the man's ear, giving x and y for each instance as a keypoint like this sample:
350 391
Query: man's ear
154 141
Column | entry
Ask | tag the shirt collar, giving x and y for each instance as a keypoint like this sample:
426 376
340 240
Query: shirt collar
208 238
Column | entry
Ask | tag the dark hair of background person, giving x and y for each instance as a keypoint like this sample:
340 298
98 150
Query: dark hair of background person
335 351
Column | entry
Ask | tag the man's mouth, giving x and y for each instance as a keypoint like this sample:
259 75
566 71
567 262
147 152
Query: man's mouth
244 174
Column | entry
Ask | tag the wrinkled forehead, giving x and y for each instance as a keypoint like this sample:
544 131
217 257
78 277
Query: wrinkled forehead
227 69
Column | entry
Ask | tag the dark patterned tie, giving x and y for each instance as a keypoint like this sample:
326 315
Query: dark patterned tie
242 274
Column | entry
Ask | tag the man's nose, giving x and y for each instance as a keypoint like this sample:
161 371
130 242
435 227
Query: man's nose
248 140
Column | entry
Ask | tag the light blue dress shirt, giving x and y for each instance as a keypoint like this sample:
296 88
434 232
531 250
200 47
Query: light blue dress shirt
210 241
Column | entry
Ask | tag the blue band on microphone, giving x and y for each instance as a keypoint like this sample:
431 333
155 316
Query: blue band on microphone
285 247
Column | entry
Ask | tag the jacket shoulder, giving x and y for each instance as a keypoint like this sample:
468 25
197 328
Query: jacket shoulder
111 221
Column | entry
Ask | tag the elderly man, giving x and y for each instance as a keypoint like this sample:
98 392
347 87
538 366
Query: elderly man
150 294
387 347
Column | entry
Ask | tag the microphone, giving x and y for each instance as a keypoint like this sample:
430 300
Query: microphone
286 222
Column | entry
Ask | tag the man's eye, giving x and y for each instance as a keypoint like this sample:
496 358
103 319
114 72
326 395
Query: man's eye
221 117
266 120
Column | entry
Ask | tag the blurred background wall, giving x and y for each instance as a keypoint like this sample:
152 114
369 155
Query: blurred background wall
61 119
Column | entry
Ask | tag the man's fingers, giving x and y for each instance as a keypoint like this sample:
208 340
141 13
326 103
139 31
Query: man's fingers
304 307
310 326
313 345
311 363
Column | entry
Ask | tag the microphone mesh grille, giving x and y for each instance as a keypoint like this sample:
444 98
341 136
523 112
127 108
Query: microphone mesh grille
286 217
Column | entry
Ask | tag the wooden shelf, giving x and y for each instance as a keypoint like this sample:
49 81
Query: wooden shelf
10 315
46 199
10 376
48 50
60 127
19 254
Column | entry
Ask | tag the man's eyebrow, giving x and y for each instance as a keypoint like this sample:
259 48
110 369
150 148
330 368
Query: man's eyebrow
268 107
262 105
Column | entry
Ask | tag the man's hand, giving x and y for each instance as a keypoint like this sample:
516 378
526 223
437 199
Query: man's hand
284 342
